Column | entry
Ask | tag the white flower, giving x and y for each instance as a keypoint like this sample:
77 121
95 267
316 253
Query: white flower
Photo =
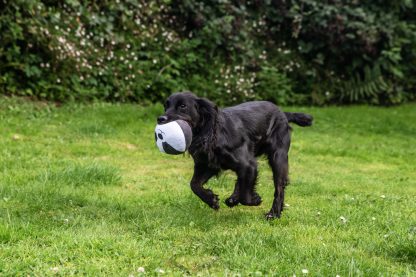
54 269
383 196
305 271
287 205
373 218
159 270
155 61
141 269
343 219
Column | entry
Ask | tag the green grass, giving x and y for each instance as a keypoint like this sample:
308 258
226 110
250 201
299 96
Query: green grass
84 191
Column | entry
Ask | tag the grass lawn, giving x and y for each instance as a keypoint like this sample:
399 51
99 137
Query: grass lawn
85 191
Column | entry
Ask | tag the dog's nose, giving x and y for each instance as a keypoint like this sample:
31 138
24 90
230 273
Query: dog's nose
162 119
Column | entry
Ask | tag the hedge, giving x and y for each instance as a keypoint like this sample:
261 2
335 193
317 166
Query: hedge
286 51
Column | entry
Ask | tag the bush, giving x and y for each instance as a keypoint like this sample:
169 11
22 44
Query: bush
287 51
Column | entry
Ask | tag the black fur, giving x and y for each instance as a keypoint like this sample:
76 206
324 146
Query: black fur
232 138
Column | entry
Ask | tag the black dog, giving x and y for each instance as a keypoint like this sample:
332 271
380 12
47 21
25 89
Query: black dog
232 138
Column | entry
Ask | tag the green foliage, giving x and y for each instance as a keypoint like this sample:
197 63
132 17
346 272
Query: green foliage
274 86
140 50
361 46
363 88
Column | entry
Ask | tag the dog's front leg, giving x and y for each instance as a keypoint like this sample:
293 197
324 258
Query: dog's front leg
234 198
201 175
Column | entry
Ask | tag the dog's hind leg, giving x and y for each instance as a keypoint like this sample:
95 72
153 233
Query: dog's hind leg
279 165
278 160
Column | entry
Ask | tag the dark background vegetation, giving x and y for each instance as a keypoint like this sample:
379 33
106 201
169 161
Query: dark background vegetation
288 51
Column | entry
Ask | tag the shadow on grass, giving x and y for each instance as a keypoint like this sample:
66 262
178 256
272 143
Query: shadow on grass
404 250
82 197
79 195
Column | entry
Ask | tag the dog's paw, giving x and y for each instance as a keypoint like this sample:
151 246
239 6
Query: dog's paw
254 200
231 202
215 202
271 215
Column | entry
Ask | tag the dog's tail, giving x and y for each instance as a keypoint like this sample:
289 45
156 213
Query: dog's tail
301 119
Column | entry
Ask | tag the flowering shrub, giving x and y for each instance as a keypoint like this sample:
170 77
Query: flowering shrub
110 50
296 51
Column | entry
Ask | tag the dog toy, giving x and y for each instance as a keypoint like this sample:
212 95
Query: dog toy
173 137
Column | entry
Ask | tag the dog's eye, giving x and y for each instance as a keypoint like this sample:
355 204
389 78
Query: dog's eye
182 106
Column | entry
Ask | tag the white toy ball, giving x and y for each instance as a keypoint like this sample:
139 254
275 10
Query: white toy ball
173 137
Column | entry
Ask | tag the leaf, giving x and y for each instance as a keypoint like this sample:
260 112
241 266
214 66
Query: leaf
397 72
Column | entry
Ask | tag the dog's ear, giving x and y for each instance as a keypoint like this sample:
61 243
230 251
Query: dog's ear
207 127
207 111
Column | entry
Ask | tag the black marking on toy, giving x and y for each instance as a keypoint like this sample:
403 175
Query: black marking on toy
169 149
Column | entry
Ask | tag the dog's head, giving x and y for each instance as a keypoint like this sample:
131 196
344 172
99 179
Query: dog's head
198 112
